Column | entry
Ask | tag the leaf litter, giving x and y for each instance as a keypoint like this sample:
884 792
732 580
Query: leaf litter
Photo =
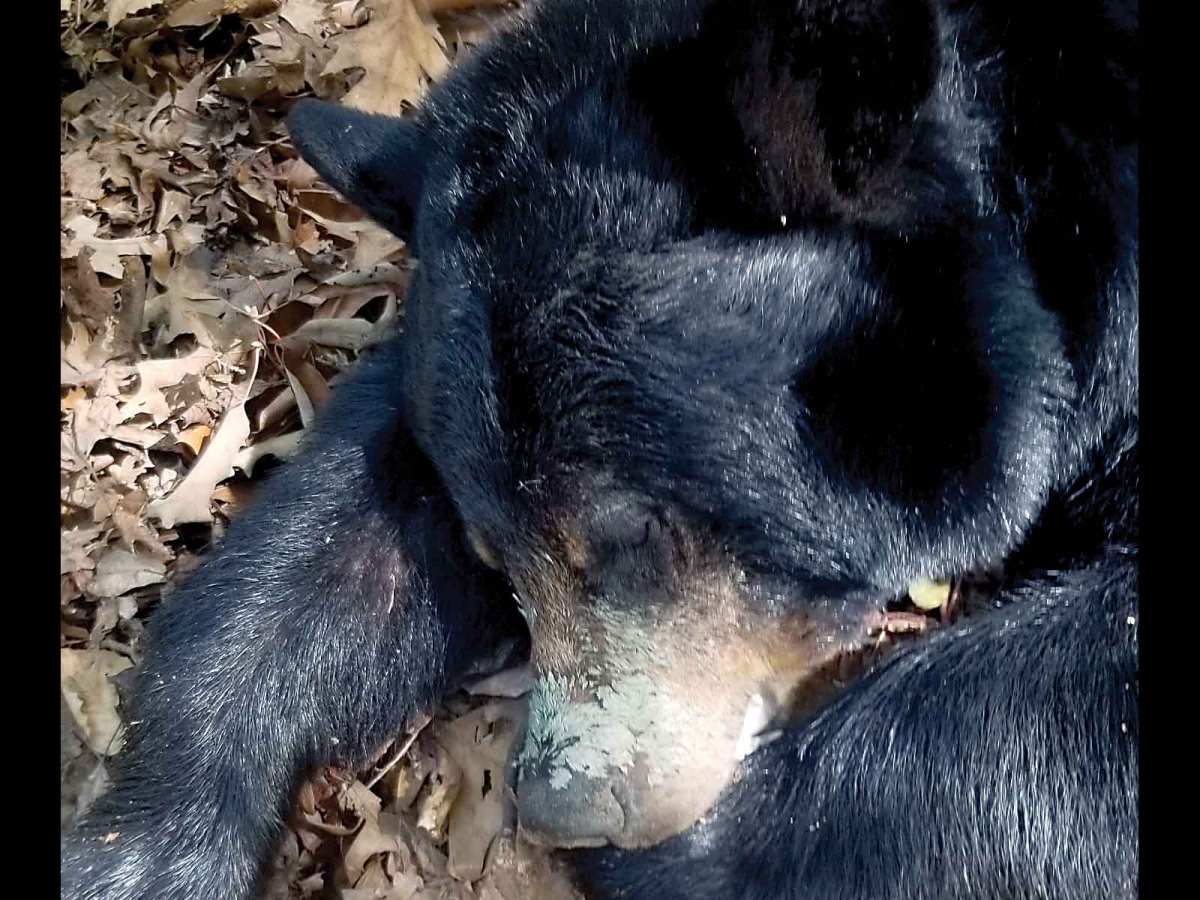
213 292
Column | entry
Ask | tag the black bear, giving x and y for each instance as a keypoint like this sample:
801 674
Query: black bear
733 319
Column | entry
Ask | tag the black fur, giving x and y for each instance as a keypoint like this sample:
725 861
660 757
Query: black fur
997 759
878 322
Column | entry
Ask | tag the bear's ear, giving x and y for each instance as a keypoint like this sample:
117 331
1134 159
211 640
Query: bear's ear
810 108
374 160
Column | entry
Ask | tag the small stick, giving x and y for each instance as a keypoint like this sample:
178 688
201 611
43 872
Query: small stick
398 755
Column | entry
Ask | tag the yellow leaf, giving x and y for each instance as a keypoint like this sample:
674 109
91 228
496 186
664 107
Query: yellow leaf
194 437
71 397
928 594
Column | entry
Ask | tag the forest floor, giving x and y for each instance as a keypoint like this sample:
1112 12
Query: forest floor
213 294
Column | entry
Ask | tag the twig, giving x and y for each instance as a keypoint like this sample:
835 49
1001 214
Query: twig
399 754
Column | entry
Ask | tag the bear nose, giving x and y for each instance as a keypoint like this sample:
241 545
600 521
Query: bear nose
583 812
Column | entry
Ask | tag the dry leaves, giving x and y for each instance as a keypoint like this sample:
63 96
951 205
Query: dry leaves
439 822
213 292
479 742
119 9
190 501
92 699
190 235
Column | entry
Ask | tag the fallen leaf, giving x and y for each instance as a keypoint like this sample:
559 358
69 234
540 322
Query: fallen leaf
75 545
305 16
82 176
119 9
191 499
91 697
71 397
333 214
254 82
119 571
156 374
402 785
310 380
349 334
133 529
202 12
190 306
369 841
85 297
194 437
171 206
112 89
108 251
512 683
96 420
433 810
479 742
397 49
376 244
379 273
348 13
126 325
